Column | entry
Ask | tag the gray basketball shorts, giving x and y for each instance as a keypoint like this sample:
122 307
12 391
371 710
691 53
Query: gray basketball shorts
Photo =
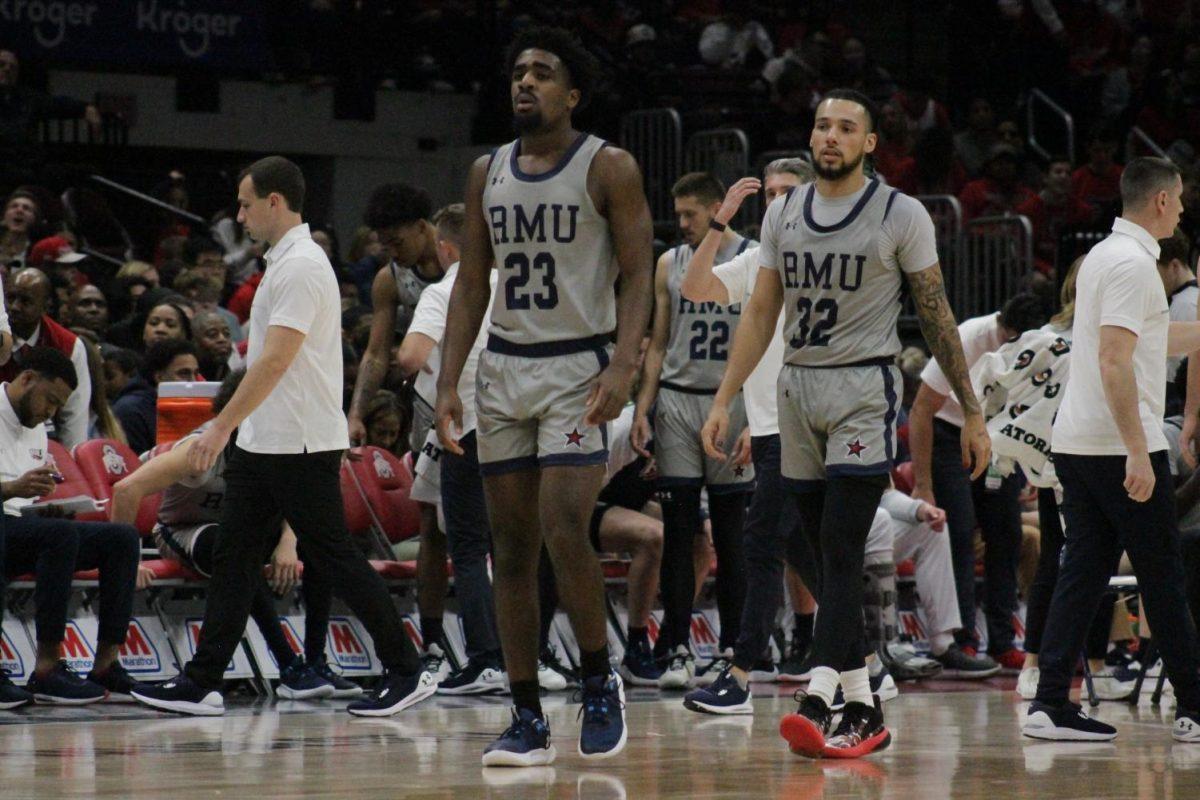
678 418
422 423
837 421
179 543
531 411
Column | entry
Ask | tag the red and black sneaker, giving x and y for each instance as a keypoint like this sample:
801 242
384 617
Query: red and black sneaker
860 732
805 730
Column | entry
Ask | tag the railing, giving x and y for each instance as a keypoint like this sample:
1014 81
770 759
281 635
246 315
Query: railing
1137 137
997 255
725 152
1039 98
112 131
154 201
946 212
655 138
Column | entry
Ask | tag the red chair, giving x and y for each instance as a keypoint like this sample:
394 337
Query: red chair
385 482
74 483
103 463
902 476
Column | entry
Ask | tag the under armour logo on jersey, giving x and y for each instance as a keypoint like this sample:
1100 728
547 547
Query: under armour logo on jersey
497 179
855 449
575 438
791 226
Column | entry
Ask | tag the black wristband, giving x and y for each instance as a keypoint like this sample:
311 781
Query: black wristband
716 226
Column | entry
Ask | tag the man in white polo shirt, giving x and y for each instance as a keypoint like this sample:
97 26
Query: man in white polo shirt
286 458
1111 458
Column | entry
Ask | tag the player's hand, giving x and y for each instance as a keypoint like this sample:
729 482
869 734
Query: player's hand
712 435
145 577
1187 439
205 451
357 428
448 418
741 449
976 445
640 434
734 198
36 482
933 515
1139 477
283 573
609 394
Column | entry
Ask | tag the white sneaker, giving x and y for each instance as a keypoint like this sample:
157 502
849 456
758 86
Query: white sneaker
1111 687
1187 727
1027 682
681 669
550 679
434 661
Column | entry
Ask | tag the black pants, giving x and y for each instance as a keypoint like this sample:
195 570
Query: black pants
53 549
303 489
772 533
1101 522
1190 542
998 514
1046 577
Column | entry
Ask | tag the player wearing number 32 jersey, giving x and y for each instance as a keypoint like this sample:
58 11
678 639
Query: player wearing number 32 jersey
834 256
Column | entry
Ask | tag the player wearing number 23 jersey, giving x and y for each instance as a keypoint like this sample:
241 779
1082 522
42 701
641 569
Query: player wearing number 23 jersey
553 315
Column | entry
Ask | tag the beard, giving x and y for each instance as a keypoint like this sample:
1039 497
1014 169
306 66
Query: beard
836 173
24 409
528 123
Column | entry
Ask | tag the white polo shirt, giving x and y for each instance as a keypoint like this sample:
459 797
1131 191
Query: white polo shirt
303 413
21 449
980 335
429 319
762 409
1118 285
1183 304
4 326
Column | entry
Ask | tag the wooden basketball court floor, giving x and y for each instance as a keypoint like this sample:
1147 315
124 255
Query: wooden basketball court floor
949 740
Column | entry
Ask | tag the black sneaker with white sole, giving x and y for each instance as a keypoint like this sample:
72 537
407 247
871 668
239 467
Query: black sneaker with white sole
182 695
11 695
395 693
958 664
1064 723
343 688
61 686
477 677
117 680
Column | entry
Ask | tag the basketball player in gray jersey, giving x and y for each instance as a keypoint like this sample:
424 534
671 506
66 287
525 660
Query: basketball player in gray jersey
832 256
562 215
689 345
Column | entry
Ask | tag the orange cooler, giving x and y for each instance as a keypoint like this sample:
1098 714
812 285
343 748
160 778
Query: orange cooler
183 406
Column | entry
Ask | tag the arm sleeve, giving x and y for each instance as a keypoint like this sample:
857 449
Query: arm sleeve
908 242
900 506
74 414
1123 298
738 275
429 318
297 297
768 246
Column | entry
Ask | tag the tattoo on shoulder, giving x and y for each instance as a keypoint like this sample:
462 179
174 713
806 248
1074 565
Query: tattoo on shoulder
940 330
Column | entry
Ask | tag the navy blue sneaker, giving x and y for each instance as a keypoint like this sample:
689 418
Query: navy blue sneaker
603 731
638 667
526 743
395 693
477 677
11 695
117 680
299 681
342 687
181 695
63 687
722 696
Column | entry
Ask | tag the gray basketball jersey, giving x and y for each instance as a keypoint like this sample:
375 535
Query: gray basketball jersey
701 333
554 251
198 503
841 300
409 287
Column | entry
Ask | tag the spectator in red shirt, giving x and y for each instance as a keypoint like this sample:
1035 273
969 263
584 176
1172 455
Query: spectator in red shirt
893 153
1098 182
920 110
999 191
1052 210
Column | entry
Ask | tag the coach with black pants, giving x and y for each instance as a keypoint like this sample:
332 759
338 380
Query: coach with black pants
285 461
1111 458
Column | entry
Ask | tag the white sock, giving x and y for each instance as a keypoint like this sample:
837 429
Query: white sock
940 642
823 684
874 666
856 686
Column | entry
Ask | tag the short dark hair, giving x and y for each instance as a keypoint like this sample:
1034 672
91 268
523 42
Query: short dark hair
450 221
126 360
197 246
703 186
51 365
582 67
1023 312
160 355
1145 177
277 174
1176 246
228 386
855 96
395 204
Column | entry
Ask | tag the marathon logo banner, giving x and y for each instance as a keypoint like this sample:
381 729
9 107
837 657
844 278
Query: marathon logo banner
214 33
146 652
351 646
16 651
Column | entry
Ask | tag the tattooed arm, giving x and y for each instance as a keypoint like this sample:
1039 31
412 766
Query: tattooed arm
941 334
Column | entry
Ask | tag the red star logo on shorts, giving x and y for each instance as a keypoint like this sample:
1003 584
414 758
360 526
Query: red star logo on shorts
855 449
739 471
575 438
